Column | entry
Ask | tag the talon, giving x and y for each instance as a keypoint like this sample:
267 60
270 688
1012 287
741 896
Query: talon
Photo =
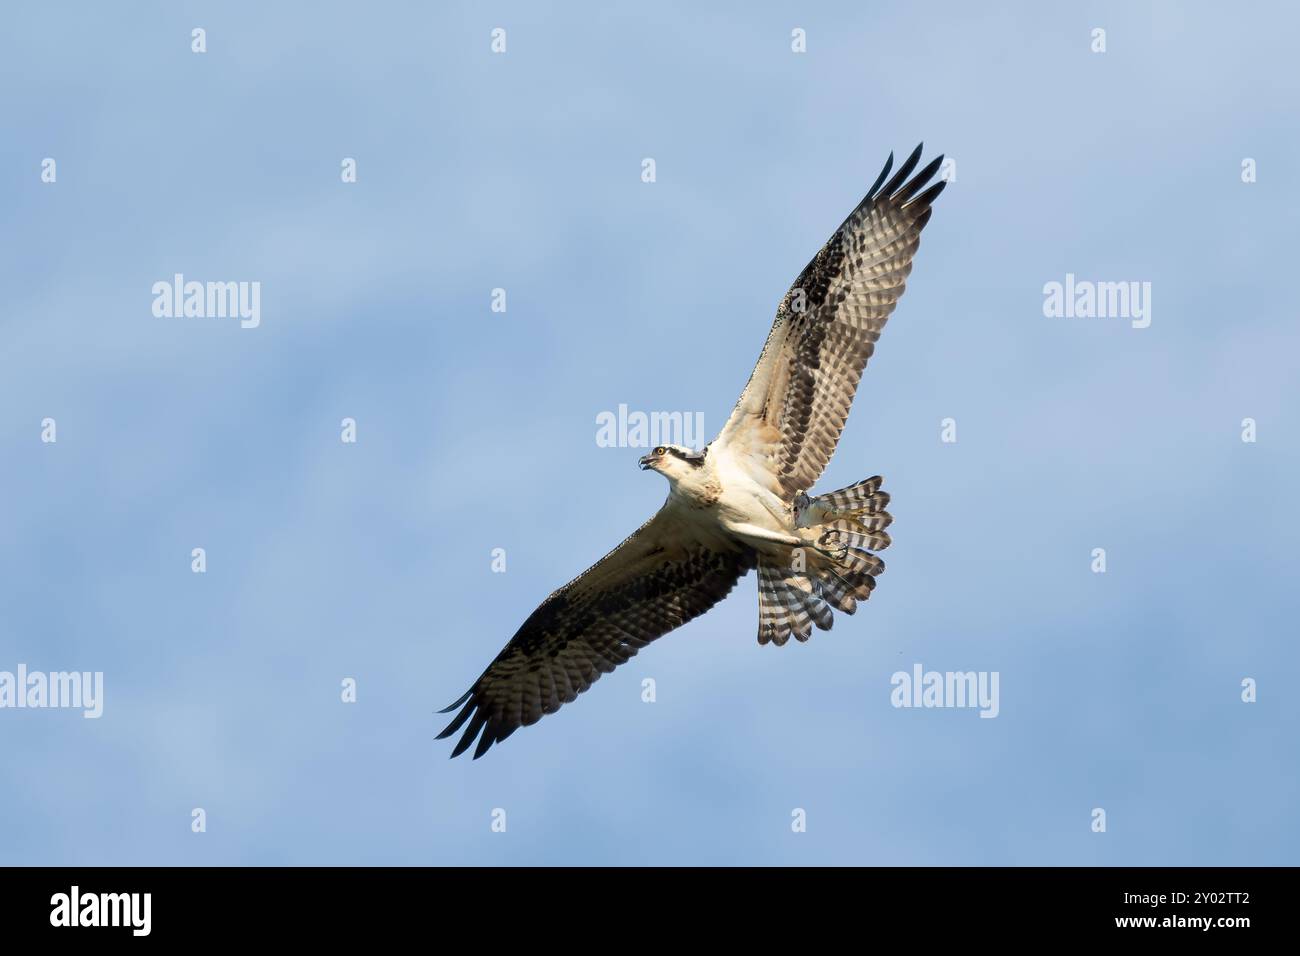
826 547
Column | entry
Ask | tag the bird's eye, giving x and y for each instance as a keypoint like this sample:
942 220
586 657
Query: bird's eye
660 450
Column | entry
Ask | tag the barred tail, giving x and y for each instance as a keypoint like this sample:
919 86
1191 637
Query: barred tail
789 602
842 572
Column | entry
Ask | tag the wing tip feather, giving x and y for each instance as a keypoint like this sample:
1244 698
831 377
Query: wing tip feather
904 171
900 189
889 164
452 706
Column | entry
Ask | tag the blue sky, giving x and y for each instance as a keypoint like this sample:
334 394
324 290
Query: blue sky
476 430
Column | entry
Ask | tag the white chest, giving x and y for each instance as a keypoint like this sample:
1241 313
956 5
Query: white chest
746 500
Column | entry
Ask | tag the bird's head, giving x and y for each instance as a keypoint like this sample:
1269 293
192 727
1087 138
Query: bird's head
673 461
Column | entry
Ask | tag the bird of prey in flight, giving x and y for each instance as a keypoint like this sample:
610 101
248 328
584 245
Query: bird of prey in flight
742 503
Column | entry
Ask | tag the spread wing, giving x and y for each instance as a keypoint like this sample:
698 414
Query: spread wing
662 576
789 418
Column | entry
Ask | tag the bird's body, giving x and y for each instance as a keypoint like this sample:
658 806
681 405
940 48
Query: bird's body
741 503
724 495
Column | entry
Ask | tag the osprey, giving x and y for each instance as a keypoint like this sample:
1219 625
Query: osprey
742 502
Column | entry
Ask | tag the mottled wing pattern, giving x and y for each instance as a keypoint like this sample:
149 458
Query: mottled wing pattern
790 416
662 576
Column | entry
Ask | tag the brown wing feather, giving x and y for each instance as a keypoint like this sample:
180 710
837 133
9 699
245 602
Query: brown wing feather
660 577
791 414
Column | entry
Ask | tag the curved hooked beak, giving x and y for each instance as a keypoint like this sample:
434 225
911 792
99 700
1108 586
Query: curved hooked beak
648 460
